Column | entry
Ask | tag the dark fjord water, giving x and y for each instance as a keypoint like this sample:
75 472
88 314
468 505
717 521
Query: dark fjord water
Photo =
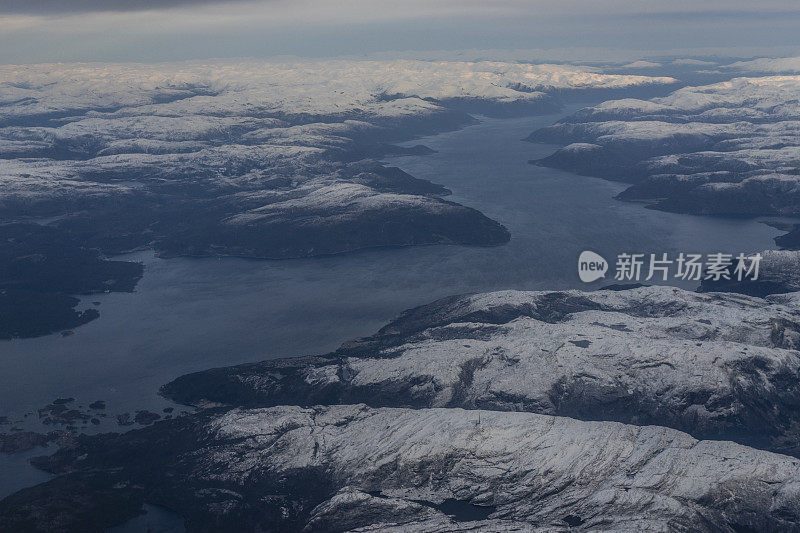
193 314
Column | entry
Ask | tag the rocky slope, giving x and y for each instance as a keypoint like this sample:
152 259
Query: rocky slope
505 411
713 365
252 159
728 148
346 467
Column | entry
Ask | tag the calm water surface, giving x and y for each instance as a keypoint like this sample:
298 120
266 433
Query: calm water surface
192 314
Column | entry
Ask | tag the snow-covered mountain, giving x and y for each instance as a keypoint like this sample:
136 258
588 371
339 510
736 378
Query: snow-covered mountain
343 468
504 411
638 409
764 65
230 138
716 366
728 148
250 158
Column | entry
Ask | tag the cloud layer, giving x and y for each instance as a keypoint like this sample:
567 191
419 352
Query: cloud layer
49 7
165 30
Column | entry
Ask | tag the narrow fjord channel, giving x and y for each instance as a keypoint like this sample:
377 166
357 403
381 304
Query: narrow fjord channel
192 314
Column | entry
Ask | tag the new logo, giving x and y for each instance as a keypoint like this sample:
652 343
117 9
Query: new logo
591 266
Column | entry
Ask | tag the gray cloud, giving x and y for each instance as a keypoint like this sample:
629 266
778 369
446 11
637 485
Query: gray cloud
120 30
56 7
706 16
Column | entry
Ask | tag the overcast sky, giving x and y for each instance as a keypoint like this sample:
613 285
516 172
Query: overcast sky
152 30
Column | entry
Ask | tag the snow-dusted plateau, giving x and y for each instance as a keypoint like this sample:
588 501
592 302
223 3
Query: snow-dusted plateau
250 159
729 148
720 366
632 408
646 409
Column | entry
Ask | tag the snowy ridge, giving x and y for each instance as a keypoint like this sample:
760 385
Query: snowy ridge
304 86
708 364
239 158
713 366
609 476
264 145
779 65
342 468
727 148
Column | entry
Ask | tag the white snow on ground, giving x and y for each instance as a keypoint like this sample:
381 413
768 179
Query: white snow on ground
535 469
231 125
746 129
779 65
302 86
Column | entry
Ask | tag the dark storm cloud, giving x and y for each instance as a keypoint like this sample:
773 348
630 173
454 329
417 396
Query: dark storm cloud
46 7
